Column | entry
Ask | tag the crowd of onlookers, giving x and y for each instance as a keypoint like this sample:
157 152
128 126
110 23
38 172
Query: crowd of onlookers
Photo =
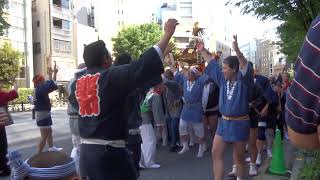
135 105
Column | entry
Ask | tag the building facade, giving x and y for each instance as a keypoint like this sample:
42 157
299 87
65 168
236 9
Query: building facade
85 31
19 35
249 51
269 57
53 37
112 15
216 29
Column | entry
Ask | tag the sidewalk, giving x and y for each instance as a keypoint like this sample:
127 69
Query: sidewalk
290 157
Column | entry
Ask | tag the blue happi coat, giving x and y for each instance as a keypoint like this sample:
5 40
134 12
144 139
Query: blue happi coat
192 110
238 105
265 85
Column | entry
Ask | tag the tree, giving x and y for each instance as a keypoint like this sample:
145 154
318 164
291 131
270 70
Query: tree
135 39
3 23
9 61
295 15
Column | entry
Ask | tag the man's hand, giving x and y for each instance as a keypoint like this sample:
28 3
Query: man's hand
235 45
49 71
55 68
264 111
242 60
170 27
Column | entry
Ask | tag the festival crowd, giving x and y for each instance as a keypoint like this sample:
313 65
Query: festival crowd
119 111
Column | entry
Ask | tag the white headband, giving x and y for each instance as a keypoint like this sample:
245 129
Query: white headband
195 70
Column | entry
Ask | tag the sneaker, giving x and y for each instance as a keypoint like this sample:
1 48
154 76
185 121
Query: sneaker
233 172
269 153
173 148
153 166
205 147
253 170
184 149
201 151
258 161
142 166
248 159
286 136
55 149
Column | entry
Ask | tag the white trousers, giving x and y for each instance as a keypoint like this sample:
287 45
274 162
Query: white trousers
75 153
148 146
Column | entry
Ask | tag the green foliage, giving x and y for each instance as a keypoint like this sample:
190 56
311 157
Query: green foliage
311 169
3 23
292 36
296 17
9 60
135 39
23 96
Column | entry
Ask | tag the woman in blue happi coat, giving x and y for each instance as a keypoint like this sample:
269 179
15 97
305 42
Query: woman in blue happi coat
235 80
192 111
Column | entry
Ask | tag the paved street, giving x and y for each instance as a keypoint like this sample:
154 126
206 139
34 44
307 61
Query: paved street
24 134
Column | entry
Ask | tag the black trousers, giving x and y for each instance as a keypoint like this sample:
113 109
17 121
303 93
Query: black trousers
98 162
3 148
134 147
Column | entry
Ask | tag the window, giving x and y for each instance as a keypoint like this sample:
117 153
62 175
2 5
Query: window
17 22
16 9
62 3
36 48
38 23
186 4
16 34
62 46
57 23
66 25
61 24
65 4
186 11
182 40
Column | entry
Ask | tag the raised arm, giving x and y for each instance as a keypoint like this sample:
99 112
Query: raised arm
169 29
207 56
148 66
242 60
213 70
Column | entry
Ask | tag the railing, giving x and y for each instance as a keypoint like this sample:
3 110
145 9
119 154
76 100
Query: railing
61 12
61 31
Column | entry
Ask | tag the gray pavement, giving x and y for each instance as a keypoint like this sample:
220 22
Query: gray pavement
24 135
